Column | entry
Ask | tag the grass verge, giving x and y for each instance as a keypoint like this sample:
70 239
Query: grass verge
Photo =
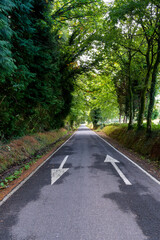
138 141
19 155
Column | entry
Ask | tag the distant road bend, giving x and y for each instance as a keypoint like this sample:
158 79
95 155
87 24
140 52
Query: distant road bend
86 191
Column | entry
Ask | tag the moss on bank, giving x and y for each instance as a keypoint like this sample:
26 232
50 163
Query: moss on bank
138 141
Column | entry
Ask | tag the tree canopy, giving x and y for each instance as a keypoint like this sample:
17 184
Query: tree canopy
73 60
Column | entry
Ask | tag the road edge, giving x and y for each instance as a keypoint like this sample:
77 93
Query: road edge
143 170
32 173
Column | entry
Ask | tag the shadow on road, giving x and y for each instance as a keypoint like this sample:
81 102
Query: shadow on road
143 206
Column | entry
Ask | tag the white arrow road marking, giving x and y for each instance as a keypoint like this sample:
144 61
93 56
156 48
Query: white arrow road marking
57 173
113 161
63 162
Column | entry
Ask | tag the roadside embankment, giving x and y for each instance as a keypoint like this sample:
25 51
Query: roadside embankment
24 154
138 141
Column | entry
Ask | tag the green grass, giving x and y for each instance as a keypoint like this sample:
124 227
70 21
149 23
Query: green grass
138 141
7 180
15 152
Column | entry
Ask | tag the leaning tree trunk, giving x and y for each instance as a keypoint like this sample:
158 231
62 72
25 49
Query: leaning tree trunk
153 89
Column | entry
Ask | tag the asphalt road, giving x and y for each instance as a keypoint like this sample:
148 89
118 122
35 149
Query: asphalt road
91 200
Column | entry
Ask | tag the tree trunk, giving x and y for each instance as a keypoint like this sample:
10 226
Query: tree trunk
142 108
151 104
130 124
152 90
120 112
120 116
144 90
125 119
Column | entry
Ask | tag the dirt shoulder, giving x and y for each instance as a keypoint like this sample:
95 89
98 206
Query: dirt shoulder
147 164
47 152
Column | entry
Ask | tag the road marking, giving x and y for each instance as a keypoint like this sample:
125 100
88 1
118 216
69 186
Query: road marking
26 179
144 171
63 162
113 161
57 173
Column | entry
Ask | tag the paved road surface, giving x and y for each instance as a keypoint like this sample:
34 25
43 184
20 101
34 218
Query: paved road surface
89 201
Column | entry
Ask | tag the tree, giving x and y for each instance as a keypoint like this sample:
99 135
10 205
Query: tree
7 65
48 39
145 17
155 27
98 97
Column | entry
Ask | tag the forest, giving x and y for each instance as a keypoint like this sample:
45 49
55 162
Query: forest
68 61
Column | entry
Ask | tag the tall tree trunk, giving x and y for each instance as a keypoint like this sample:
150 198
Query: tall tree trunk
120 112
120 116
130 124
125 119
142 108
152 90
144 90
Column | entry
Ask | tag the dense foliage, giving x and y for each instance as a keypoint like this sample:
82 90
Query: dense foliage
40 41
135 46
127 53
77 60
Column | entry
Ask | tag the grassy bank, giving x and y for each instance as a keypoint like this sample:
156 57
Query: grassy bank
27 147
148 147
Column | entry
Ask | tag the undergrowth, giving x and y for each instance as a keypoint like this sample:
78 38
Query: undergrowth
17 151
138 141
